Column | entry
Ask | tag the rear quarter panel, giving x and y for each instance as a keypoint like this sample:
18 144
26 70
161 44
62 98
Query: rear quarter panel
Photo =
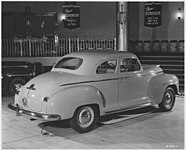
66 101
158 85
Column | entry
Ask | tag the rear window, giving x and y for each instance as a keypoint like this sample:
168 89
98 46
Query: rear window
71 63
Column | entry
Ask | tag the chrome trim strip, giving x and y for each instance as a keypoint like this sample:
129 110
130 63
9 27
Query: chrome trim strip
130 108
89 81
25 66
170 83
49 117
13 75
159 72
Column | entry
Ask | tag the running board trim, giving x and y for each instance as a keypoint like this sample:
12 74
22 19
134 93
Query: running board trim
130 108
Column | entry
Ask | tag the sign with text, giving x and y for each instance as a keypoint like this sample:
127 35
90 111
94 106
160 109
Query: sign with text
152 15
72 16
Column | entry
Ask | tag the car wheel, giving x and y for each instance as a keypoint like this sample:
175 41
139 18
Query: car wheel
168 100
85 118
16 83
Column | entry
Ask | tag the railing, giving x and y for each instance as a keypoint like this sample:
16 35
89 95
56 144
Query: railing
50 47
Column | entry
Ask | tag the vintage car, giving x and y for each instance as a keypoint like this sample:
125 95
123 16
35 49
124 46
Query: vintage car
18 73
83 86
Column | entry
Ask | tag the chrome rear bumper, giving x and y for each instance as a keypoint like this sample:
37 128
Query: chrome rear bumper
48 117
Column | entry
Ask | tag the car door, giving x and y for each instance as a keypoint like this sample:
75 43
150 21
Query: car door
133 83
108 80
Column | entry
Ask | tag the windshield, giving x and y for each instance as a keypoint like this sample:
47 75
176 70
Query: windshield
71 63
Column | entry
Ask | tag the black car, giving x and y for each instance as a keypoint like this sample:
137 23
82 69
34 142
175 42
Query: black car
17 73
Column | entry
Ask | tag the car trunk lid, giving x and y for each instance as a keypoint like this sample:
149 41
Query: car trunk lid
38 88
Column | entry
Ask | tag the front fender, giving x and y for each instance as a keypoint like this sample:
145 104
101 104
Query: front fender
66 101
159 83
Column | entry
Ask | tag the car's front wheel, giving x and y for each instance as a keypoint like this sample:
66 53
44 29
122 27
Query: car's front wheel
85 118
168 100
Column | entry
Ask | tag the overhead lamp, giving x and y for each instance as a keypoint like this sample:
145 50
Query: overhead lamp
62 16
179 14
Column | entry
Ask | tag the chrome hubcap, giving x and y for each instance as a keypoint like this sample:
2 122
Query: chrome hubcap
168 99
86 117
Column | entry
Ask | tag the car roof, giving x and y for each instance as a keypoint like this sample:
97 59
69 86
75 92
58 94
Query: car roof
98 55
92 58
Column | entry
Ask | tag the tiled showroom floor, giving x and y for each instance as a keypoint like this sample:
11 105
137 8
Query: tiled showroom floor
139 129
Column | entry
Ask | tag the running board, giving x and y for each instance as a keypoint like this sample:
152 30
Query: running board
130 108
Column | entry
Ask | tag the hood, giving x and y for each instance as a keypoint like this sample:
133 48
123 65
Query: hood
153 69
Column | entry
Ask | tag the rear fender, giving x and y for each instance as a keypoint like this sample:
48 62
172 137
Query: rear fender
68 100
158 85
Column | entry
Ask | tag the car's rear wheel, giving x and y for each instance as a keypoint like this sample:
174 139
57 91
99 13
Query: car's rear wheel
15 84
84 119
168 100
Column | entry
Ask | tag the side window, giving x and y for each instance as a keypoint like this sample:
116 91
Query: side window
107 67
129 65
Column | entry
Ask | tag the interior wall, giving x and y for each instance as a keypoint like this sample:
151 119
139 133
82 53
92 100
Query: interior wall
96 18
99 18
171 29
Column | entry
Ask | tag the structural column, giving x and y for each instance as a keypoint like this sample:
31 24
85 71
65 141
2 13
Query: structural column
122 26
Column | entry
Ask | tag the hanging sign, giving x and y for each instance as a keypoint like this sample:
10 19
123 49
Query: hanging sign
72 16
152 15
